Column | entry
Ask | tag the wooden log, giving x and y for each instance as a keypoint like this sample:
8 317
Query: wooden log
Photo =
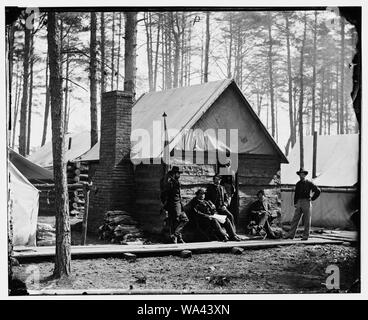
76 206
237 250
76 164
74 179
83 167
75 193
51 185
79 201
78 197
47 194
130 256
251 180
186 254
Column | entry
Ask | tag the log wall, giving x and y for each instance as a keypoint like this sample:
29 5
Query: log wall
147 195
256 172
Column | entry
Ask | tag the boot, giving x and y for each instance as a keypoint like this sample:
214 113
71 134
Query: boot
173 239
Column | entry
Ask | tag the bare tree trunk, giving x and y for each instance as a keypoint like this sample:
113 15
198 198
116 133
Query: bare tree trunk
175 30
189 55
66 90
329 109
290 83
230 47
102 71
169 75
182 50
321 110
47 103
163 53
314 73
302 94
130 51
61 49
10 57
268 110
202 57
342 72
113 52
10 34
276 123
207 48
147 22
156 53
16 105
270 72
118 57
93 80
176 65
347 128
63 236
337 99
23 107
29 122
238 47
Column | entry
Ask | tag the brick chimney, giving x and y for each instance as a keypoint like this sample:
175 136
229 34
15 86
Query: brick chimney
114 178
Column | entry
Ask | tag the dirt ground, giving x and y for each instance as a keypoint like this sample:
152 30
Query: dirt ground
285 269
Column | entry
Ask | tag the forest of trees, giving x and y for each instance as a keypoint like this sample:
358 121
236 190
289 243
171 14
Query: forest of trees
293 67
60 52
290 65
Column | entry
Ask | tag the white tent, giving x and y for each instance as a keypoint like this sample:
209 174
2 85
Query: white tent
24 203
337 161
75 145
337 175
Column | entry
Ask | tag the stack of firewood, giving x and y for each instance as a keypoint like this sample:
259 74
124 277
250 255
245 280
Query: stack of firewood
119 227
46 234
76 173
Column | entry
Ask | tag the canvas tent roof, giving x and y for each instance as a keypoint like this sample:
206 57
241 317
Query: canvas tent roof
188 140
337 161
183 106
79 144
30 170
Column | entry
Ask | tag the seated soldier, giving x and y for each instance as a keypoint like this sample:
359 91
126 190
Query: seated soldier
204 214
216 193
259 216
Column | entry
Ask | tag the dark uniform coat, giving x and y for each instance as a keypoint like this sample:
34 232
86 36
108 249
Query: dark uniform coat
217 195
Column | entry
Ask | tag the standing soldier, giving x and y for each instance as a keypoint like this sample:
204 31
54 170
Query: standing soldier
303 204
177 218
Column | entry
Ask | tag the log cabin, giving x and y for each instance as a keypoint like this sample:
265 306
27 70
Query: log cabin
125 178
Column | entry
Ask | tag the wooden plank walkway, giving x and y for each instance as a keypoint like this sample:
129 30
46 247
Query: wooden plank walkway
346 236
155 249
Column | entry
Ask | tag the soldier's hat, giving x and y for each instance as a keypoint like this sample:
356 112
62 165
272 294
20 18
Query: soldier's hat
200 191
175 169
301 170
